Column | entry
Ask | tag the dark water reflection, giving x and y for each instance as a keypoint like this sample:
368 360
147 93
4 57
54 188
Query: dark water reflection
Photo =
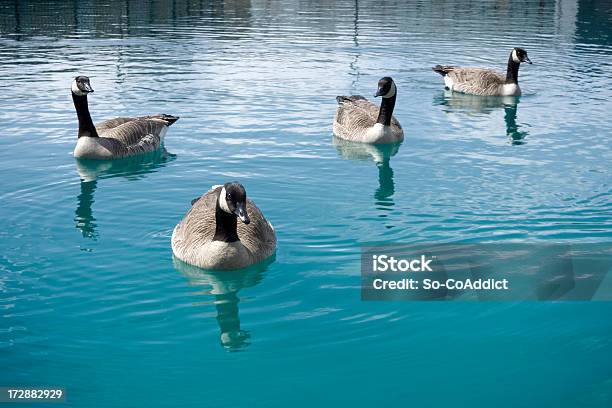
515 135
225 287
468 105
90 171
83 215
381 155
121 18
593 22
587 20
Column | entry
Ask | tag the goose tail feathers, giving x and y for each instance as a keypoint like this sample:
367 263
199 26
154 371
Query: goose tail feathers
342 99
443 69
170 119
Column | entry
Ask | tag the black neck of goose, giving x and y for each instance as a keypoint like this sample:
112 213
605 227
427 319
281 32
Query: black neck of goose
512 73
86 126
226 226
386 110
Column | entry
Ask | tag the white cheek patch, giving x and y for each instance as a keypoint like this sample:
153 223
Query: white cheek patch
515 57
75 89
391 91
223 201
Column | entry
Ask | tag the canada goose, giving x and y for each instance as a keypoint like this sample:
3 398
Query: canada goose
486 82
115 138
210 237
359 120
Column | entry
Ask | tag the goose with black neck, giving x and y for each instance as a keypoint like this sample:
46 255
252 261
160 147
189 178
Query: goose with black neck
210 236
485 82
359 120
115 138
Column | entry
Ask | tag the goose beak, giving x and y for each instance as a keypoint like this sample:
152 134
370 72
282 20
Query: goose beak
241 213
88 88
378 93
527 60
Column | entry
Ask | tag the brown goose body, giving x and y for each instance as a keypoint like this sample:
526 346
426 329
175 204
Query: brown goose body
476 81
193 239
124 137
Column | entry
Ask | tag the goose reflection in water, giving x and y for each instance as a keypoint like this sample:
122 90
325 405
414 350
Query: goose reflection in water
515 135
381 155
474 104
132 168
83 216
224 286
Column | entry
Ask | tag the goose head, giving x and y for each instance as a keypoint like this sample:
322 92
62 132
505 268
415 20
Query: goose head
520 55
386 88
233 200
80 86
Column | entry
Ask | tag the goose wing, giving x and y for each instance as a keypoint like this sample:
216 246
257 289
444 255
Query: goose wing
111 124
133 131
198 226
258 236
476 81
130 131
355 113
136 136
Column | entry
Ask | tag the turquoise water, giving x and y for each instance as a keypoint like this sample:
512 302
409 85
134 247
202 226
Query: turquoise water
91 299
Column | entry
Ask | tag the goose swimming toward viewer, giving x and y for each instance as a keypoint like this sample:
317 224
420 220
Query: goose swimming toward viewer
210 237
115 138
485 82
359 120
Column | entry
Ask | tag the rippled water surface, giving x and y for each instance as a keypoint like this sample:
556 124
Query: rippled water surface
91 299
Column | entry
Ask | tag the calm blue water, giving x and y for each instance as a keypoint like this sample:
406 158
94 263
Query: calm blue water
91 299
